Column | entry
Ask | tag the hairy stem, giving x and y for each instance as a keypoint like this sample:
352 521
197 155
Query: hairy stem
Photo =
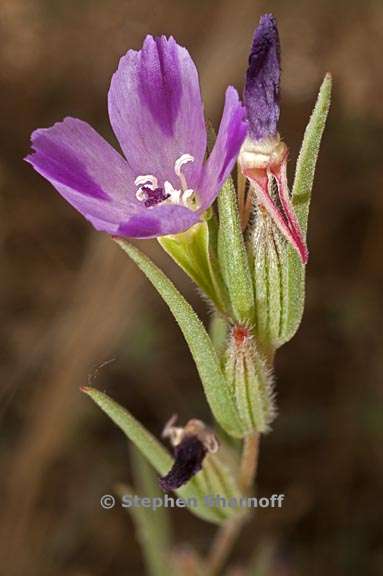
249 461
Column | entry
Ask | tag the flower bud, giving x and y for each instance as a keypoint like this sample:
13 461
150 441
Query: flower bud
269 250
250 380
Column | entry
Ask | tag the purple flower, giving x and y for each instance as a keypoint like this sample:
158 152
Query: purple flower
261 94
263 156
164 183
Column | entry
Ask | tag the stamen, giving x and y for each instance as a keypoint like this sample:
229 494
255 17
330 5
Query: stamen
184 159
151 194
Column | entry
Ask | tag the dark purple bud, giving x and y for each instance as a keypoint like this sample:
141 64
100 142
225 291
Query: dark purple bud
189 455
261 94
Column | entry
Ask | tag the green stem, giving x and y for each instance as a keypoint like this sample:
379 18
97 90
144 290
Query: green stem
227 535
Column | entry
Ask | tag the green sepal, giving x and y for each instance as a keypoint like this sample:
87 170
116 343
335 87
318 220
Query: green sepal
251 382
301 196
201 347
193 251
270 282
232 255
153 451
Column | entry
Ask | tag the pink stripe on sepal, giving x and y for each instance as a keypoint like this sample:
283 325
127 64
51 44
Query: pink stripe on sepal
286 220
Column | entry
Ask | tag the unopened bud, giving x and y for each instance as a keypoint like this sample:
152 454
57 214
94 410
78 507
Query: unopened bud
250 380
270 265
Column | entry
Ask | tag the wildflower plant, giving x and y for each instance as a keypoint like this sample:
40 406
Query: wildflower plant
241 239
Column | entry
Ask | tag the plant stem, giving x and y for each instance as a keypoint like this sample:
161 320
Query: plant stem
228 533
249 461
222 545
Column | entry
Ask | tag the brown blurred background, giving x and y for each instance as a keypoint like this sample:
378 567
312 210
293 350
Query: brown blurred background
71 300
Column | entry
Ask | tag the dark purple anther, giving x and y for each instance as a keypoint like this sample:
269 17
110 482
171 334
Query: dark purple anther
261 94
154 197
189 455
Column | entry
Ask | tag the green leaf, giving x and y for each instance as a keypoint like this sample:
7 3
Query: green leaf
153 451
153 528
305 169
146 482
201 347
192 251
218 331
148 533
301 196
233 256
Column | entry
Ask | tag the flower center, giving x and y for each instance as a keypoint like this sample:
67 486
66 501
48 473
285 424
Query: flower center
151 194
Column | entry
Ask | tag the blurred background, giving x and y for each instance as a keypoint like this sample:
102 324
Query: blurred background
70 299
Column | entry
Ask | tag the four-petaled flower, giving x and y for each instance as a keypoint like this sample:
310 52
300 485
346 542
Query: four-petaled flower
164 184
263 157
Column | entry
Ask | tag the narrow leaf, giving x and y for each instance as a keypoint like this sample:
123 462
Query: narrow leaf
301 196
148 532
305 169
232 254
153 528
152 450
201 347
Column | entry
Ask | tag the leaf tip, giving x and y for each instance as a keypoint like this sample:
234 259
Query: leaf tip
86 389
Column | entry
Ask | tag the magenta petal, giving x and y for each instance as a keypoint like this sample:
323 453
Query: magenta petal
156 110
231 134
85 170
73 154
158 221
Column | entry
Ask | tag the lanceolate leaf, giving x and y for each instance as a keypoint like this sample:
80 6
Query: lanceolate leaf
301 196
152 450
153 529
149 533
233 256
198 340
305 169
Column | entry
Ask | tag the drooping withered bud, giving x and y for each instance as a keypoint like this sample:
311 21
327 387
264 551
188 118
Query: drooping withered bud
191 444
263 156
250 380
198 453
